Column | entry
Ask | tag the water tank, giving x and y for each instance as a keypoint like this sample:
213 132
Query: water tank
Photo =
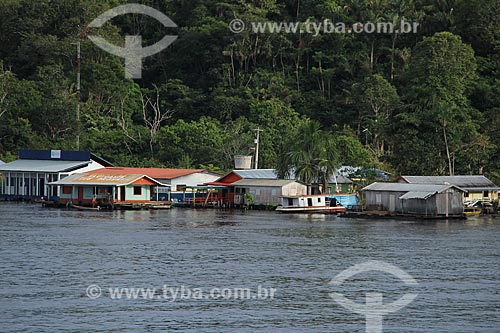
242 161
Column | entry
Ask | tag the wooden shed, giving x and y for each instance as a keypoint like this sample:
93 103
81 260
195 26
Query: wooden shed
477 187
266 191
415 199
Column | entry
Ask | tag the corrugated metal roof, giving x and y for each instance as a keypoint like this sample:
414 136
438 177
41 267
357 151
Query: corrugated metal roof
401 187
263 182
43 166
257 174
473 189
103 180
460 181
157 173
417 195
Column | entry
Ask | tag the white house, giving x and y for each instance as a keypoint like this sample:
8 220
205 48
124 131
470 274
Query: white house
28 177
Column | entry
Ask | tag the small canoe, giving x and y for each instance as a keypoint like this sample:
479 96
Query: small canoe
86 208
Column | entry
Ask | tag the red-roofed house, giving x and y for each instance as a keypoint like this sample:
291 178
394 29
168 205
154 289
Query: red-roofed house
178 179
235 175
107 189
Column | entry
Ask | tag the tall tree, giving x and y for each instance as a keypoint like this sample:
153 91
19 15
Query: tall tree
376 99
441 70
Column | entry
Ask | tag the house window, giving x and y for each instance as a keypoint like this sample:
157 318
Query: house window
466 195
67 190
486 194
319 199
137 190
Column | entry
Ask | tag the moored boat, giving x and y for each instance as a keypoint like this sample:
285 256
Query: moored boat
87 208
310 204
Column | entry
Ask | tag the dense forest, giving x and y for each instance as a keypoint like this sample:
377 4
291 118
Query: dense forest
424 103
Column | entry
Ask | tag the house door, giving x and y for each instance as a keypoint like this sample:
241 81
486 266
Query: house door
80 193
392 203
41 187
122 193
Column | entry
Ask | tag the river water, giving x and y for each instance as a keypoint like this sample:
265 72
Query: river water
49 258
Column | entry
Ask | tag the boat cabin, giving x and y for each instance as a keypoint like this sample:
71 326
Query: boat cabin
310 204
306 201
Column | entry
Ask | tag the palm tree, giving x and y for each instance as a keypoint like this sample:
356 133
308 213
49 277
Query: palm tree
309 156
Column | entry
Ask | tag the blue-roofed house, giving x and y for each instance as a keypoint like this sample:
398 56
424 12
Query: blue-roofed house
29 176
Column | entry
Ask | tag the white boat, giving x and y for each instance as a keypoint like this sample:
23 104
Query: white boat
310 204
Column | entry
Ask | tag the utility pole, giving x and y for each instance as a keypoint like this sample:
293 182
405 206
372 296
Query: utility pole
258 130
78 58
78 73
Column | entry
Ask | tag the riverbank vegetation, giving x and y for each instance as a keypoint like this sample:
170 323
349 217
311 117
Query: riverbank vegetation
417 103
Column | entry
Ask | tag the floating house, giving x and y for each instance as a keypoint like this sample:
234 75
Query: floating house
180 181
222 190
80 189
477 187
235 175
266 191
29 176
424 200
